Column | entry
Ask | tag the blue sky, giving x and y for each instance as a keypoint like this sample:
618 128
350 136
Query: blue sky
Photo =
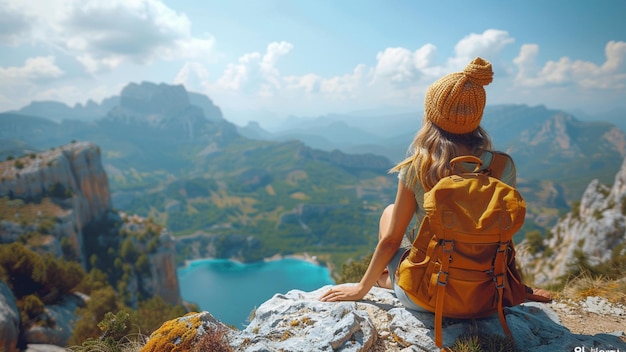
258 59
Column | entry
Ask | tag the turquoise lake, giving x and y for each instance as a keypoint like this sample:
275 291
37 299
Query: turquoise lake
230 291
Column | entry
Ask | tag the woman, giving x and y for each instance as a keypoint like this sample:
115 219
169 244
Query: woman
453 109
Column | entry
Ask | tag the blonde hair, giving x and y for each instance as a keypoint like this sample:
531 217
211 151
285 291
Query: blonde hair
432 150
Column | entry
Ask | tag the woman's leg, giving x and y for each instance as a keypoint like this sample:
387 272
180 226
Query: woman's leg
385 219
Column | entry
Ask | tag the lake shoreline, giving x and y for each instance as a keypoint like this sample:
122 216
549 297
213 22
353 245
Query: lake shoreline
299 256
231 290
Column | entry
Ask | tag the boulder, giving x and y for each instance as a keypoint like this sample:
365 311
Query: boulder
9 320
186 334
298 321
61 320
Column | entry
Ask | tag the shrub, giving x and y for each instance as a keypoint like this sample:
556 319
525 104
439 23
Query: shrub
575 210
483 342
153 312
215 340
101 302
354 271
24 270
62 276
534 240
142 265
58 190
31 308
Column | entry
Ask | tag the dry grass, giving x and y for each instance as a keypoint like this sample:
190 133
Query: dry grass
584 286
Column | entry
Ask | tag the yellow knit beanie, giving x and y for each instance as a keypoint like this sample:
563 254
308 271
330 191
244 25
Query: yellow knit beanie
455 102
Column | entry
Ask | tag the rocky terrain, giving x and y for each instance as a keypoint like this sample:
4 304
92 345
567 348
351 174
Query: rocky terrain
58 202
298 321
593 232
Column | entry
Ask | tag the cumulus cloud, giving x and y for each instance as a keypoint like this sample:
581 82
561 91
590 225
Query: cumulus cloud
488 44
104 34
610 75
21 83
400 66
399 74
194 76
256 72
34 69
14 27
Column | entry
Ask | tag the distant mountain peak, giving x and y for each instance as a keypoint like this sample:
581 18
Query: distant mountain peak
150 98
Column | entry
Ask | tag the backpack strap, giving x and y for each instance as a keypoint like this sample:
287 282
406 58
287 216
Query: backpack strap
446 247
498 164
499 278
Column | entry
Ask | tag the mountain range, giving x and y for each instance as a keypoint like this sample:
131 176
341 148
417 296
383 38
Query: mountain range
171 155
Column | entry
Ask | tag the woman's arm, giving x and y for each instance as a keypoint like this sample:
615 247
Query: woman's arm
390 239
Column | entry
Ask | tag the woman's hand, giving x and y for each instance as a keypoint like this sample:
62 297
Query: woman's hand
344 293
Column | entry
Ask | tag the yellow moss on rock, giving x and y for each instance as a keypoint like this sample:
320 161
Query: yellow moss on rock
179 334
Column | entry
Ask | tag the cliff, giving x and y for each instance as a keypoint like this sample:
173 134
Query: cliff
58 202
73 176
591 234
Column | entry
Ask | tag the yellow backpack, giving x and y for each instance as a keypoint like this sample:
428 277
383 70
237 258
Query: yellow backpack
462 262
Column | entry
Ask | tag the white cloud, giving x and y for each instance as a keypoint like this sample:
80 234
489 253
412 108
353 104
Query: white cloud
34 69
488 44
256 73
194 76
14 27
309 83
348 85
610 75
402 67
104 34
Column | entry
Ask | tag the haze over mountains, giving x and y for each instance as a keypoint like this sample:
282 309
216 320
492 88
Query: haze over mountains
168 151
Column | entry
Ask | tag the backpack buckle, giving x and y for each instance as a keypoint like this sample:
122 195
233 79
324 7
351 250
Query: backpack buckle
442 281
502 247
499 280
447 246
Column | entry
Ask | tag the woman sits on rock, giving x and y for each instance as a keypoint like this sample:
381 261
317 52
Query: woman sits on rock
453 111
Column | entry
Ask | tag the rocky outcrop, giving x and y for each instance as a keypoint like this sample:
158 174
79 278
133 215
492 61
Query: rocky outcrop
160 247
298 321
72 175
9 320
164 279
61 320
595 230
166 108
77 167
63 194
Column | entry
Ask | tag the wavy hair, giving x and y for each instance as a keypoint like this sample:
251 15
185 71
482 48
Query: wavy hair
432 150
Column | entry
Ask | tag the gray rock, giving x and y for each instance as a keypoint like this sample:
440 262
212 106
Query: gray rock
44 348
62 318
298 321
9 320
598 224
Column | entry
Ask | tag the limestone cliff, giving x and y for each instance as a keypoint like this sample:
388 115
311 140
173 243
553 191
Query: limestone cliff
73 175
595 231
63 194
